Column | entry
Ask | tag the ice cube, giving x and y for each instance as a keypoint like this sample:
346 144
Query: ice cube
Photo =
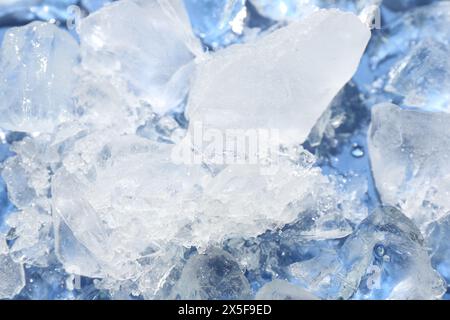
283 88
37 77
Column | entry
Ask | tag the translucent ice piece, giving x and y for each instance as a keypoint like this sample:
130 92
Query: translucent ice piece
237 88
409 152
143 47
37 78
213 275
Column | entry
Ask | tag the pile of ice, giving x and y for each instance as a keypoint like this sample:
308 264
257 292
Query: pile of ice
142 164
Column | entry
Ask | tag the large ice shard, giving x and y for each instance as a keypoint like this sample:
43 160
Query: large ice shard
267 84
37 77
144 48
409 153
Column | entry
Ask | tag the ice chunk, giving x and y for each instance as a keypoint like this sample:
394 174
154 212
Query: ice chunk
268 84
37 79
283 290
144 48
409 155
12 277
213 275
422 78
216 22
385 258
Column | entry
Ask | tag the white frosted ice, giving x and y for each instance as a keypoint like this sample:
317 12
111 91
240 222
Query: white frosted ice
269 84
37 77
144 48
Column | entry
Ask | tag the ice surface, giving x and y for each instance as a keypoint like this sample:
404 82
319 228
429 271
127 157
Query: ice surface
37 77
237 89
144 48
409 154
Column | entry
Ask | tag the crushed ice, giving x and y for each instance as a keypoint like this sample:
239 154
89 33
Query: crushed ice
224 149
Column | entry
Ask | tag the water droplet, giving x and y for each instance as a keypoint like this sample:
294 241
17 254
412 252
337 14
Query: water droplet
379 250
357 151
